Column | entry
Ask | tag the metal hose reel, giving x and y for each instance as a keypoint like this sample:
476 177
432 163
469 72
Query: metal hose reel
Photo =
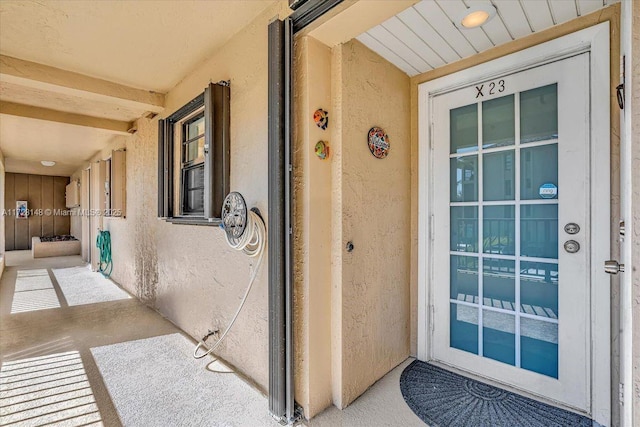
234 215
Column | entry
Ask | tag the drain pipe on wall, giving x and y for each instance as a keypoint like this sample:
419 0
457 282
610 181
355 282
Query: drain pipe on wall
245 231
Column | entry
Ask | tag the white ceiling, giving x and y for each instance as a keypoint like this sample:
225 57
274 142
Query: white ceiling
143 44
424 37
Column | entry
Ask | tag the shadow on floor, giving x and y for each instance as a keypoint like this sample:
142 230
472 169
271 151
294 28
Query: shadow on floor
36 345
50 373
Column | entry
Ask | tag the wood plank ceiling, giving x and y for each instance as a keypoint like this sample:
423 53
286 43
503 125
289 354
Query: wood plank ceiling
425 36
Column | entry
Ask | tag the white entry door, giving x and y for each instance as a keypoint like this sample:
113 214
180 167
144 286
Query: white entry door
510 199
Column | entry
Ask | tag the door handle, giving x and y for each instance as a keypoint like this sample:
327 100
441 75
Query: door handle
613 267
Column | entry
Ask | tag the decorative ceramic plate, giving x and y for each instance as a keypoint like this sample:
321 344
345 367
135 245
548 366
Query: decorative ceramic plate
322 150
378 142
321 118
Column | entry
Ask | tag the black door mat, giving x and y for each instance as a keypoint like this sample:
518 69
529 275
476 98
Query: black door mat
442 398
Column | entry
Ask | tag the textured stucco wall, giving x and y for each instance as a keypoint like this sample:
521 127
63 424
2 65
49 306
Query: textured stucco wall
337 227
189 273
371 208
312 213
200 279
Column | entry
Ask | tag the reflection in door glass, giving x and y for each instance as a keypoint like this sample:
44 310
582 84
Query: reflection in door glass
539 346
499 176
539 114
464 278
539 231
464 129
464 179
464 229
539 289
538 166
499 283
463 329
499 233
498 336
498 122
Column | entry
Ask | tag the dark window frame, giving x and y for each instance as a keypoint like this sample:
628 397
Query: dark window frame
185 142
216 103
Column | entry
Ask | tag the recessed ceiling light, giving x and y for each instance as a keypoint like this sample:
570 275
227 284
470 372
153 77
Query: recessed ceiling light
476 16
48 163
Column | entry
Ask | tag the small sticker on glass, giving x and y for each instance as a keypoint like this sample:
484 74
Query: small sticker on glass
548 191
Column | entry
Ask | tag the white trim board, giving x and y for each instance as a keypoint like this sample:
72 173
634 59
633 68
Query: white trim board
595 40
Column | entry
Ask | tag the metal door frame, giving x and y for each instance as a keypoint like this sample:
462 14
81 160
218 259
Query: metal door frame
280 223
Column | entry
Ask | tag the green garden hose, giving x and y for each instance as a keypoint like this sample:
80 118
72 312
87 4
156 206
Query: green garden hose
103 243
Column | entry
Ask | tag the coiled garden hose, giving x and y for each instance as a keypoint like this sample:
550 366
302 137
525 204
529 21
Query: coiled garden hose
103 243
252 243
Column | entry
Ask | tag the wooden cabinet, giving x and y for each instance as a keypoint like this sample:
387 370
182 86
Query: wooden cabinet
72 194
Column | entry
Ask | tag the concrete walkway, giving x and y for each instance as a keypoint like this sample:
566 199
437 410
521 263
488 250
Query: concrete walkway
59 337
50 373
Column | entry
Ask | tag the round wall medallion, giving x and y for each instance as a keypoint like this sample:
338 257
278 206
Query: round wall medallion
378 142
321 118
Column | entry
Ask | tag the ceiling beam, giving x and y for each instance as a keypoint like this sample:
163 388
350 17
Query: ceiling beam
44 77
113 126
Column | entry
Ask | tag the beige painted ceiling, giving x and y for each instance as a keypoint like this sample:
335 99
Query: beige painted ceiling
25 142
144 44
147 45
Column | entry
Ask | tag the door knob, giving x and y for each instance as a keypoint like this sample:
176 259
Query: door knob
613 267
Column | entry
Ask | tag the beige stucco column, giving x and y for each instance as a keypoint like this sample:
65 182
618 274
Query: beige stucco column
312 266
2 207
352 307
371 208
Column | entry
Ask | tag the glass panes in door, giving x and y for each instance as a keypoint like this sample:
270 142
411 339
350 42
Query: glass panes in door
504 229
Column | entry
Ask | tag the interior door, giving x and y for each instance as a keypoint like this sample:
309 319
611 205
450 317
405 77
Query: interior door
510 242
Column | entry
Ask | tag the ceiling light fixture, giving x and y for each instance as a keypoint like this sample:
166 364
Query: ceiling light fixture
476 16
47 163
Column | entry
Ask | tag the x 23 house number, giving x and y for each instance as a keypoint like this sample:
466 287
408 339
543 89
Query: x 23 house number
490 88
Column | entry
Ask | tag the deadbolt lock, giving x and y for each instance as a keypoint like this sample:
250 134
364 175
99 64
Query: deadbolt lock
572 228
